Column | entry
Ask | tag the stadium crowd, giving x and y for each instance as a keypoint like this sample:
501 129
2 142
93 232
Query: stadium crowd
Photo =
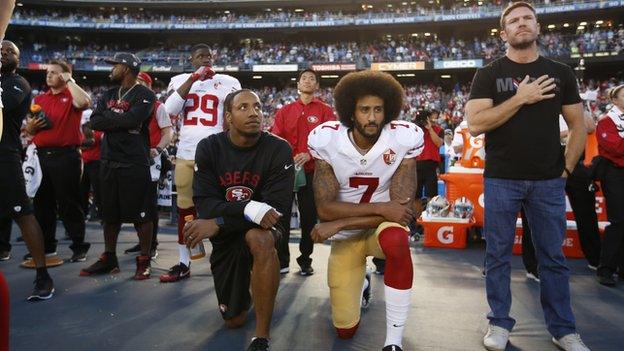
251 52
131 16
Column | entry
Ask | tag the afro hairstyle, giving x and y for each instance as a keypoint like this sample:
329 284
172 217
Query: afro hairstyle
357 85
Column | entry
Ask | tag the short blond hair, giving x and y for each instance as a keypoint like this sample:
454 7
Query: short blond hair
512 6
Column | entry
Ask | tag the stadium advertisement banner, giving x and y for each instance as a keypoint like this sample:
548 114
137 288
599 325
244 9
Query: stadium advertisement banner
227 68
40 66
450 64
334 67
276 68
398 66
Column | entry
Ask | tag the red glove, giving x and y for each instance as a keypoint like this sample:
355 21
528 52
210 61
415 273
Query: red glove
202 73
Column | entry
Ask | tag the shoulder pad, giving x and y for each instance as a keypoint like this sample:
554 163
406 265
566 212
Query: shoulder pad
406 133
323 134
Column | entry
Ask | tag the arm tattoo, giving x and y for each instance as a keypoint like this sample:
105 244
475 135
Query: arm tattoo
325 183
403 183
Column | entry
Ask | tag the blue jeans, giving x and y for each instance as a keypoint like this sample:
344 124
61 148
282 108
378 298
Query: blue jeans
544 204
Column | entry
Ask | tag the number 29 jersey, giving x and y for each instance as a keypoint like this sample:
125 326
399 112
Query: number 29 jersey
202 112
365 178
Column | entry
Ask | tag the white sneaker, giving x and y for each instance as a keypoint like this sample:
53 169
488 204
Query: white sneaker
570 342
593 268
496 338
284 270
533 276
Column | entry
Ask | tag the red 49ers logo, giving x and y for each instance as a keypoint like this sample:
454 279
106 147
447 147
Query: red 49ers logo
389 157
238 194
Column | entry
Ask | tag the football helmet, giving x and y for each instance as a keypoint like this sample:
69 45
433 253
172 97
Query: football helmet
463 208
438 206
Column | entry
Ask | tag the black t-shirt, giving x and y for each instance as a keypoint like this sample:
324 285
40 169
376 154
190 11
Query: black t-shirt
125 123
16 100
527 146
227 177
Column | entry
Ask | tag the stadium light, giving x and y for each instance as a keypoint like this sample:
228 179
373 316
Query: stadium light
227 12
551 26
19 4
445 76
427 34
403 75
256 77
583 24
293 79
415 34
480 3
580 27
389 5
600 22
404 3
331 76
566 25
494 30
298 10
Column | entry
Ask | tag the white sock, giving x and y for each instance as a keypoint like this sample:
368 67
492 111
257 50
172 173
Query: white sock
185 255
397 307
365 285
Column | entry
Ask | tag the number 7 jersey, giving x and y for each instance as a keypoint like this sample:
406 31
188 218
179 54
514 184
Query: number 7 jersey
365 178
202 112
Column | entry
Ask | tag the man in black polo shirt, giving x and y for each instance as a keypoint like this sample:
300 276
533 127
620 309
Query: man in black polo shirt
242 189
123 114
516 101
13 200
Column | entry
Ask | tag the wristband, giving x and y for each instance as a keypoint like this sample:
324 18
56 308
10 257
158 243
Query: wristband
255 211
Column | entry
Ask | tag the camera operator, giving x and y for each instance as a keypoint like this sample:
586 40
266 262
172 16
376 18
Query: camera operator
428 161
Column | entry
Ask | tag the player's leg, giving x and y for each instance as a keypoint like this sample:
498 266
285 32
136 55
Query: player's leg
346 269
230 263
264 277
391 241
16 204
111 223
307 210
184 186
65 175
137 205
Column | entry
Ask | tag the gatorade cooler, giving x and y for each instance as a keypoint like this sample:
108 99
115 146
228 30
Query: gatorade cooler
449 233
466 182
571 244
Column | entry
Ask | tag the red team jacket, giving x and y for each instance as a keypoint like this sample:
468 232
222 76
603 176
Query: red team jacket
295 121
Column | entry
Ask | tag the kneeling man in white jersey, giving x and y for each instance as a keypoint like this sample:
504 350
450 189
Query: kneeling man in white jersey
364 185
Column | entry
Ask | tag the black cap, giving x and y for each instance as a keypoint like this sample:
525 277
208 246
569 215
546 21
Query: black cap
128 59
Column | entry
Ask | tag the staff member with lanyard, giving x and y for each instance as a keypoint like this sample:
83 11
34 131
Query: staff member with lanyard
57 144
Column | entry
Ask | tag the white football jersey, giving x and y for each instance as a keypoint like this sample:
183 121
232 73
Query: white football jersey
202 113
365 178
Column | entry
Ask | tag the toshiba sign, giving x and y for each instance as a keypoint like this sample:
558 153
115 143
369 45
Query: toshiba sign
458 64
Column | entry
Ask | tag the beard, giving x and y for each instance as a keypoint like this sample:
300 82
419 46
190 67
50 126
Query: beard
9 67
523 44
361 128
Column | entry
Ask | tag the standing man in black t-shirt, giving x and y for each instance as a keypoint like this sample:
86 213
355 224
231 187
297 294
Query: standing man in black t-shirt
14 202
242 189
516 101
123 114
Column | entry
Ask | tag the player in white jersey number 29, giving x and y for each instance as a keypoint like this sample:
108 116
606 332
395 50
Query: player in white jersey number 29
197 98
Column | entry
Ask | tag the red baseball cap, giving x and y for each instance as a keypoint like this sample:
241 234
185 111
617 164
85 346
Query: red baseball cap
145 77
